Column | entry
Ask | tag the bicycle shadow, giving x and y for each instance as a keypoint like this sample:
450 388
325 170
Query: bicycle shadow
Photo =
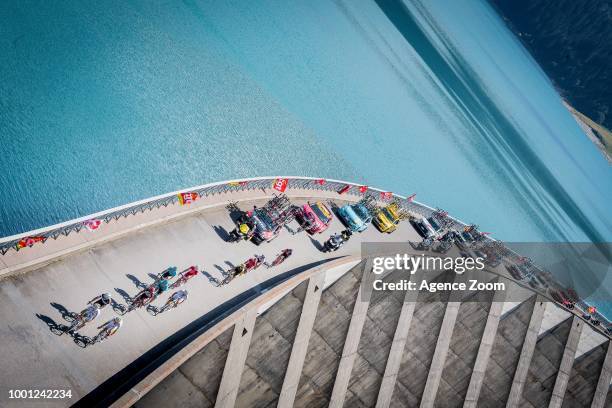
62 310
54 327
60 329
211 278
121 308
139 284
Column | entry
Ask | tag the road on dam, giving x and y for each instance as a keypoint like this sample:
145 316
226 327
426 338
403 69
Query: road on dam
32 357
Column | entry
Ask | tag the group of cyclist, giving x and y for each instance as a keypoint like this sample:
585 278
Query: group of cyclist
144 297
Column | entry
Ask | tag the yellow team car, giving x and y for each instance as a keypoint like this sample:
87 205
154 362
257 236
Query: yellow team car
387 218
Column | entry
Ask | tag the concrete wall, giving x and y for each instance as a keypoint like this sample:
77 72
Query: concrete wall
264 370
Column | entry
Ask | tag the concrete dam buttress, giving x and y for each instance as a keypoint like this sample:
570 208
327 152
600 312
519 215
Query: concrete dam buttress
410 351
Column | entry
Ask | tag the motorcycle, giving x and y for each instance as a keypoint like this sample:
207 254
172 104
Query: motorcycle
333 243
244 230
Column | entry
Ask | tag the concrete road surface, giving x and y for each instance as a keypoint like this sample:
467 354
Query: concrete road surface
32 357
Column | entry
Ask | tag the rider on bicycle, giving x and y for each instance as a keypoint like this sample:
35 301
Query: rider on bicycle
167 274
151 292
177 298
239 270
111 326
285 253
192 271
100 301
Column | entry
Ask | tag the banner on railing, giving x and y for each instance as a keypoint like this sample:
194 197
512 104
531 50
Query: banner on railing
238 183
386 195
29 241
321 182
344 189
363 189
411 198
92 225
280 184
187 198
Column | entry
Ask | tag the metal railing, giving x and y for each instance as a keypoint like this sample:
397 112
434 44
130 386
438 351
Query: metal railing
346 188
114 214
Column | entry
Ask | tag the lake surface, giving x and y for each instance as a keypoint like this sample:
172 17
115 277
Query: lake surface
107 103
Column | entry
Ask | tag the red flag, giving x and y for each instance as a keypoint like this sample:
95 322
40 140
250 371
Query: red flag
29 241
187 198
411 198
321 182
344 189
280 184
92 225
363 189
386 195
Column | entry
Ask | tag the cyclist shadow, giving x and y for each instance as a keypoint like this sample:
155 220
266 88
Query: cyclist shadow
62 310
139 284
55 328
120 308
211 278
220 269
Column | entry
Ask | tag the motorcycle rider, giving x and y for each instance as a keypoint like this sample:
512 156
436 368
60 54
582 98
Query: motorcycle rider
334 242
346 234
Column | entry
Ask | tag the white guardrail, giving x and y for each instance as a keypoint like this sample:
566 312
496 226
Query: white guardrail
40 236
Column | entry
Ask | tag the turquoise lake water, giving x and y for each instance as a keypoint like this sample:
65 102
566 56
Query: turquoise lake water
110 102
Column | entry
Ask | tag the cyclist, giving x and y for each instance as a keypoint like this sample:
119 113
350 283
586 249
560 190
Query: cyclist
101 301
108 329
239 270
167 274
149 294
285 253
254 262
176 299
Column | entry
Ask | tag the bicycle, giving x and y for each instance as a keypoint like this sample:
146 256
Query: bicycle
184 277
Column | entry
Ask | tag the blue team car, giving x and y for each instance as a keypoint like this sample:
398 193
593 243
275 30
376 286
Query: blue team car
355 216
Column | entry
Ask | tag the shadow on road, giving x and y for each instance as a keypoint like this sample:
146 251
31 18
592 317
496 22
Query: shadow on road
56 328
139 284
121 382
222 233
66 314
316 244
211 278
